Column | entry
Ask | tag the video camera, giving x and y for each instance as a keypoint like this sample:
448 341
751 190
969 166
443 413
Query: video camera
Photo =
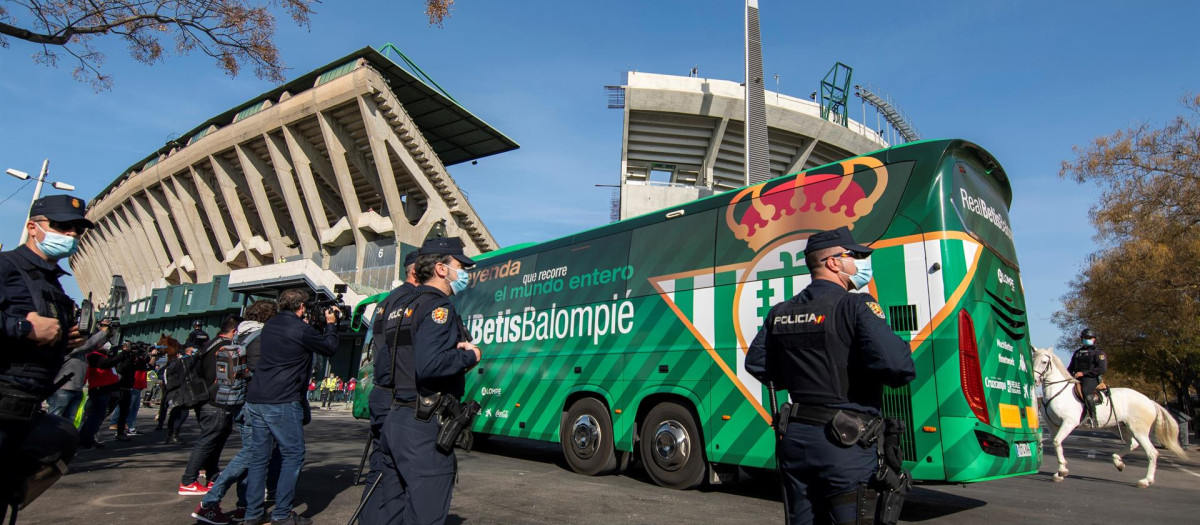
314 310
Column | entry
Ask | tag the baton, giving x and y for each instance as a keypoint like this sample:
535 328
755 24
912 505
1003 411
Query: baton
778 441
363 503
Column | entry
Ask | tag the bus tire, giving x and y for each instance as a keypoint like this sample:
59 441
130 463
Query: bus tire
671 447
587 438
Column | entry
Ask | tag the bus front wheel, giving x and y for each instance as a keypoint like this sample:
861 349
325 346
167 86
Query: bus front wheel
587 438
671 447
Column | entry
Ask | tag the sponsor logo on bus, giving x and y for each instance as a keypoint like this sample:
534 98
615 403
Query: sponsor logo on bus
1006 360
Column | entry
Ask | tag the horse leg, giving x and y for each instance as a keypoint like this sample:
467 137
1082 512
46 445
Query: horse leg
1129 447
1151 457
1059 437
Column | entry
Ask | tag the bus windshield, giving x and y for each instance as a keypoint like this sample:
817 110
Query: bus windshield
980 206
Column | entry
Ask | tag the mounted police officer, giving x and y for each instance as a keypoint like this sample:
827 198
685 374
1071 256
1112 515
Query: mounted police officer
431 355
380 399
1088 364
833 352
38 332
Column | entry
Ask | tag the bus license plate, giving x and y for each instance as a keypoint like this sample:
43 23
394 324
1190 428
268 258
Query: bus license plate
1023 450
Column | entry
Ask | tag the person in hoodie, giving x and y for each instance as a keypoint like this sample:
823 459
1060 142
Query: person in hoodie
209 509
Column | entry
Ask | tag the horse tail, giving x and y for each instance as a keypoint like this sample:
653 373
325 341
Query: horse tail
1167 431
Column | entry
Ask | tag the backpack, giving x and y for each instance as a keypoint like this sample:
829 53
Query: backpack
184 383
233 373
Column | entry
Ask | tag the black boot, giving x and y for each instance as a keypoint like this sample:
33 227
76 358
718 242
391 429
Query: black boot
1090 403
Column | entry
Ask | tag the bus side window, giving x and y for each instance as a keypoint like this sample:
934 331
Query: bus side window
675 254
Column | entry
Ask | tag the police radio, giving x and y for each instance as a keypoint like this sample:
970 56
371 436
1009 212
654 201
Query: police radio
85 316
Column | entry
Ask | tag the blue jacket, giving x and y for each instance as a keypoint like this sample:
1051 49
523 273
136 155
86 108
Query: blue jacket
288 344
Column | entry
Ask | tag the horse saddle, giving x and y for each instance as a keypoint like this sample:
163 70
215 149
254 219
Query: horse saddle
1098 395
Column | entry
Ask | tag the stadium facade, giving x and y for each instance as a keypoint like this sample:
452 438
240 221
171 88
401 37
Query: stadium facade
329 179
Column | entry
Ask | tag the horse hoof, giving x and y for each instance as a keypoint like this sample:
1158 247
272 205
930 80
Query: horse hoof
1057 478
1120 467
1143 484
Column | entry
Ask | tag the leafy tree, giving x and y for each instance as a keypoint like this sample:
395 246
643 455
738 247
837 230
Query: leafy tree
234 32
1141 290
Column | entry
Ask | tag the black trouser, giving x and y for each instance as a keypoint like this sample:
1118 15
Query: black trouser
815 471
123 410
1088 386
215 426
162 405
175 418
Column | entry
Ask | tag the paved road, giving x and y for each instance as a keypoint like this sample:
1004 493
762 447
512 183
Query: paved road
523 482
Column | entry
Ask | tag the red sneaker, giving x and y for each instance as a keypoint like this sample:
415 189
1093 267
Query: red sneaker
211 515
193 489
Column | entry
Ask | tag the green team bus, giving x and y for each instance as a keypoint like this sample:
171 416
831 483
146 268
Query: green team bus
628 340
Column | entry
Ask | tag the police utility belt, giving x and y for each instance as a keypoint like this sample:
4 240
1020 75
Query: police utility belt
454 419
847 428
19 405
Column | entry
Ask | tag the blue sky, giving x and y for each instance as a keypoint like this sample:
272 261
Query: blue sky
1026 80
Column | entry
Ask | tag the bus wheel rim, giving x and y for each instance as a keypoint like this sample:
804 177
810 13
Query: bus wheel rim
672 446
585 436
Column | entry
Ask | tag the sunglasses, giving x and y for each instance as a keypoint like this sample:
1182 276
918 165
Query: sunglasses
65 227
843 255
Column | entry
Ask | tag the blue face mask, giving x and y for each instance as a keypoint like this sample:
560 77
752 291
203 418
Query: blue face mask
1089 342
56 245
863 276
459 284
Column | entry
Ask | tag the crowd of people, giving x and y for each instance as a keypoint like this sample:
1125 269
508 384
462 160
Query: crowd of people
331 390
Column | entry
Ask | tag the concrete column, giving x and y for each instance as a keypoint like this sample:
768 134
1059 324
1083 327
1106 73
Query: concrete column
153 251
303 157
216 221
798 162
136 245
255 169
229 192
127 267
337 156
97 245
187 203
176 251
355 156
710 156
287 187
194 238
377 129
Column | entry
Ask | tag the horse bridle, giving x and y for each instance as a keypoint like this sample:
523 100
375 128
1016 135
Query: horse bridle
1042 379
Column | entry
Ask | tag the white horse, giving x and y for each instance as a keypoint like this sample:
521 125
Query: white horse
1130 415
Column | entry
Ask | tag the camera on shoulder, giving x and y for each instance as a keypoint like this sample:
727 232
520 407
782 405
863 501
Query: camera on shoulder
314 310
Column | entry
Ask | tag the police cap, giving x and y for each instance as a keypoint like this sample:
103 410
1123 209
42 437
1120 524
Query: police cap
833 238
61 208
411 258
447 246
1087 334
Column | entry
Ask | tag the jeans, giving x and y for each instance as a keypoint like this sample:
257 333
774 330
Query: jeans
216 424
238 467
65 403
135 402
282 425
97 407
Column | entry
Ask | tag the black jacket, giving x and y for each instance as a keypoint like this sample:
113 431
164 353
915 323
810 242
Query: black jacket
288 344
22 361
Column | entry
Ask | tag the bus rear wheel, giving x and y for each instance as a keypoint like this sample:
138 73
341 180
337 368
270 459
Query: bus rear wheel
587 438
671 446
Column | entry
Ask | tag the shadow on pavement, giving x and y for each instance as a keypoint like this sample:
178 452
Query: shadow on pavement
925 504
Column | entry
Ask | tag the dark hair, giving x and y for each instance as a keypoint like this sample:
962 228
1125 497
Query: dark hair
814 259
262 310
292 299
230 324
426 263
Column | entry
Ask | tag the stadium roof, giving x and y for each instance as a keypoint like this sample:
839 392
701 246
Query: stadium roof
455 134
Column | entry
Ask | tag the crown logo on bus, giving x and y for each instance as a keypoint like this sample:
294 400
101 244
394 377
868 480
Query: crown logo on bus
806 202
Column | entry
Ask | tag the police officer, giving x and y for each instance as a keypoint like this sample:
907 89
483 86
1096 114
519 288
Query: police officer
379 400
38 331
1088 363
431 355
198 338
833 352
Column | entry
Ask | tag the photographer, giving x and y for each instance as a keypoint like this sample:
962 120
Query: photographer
134 362
65 402
276 409
103 382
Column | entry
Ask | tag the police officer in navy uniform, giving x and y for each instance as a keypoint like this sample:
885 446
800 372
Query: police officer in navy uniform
1088 363
198 338
380 399
833 351
431 355
37 330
